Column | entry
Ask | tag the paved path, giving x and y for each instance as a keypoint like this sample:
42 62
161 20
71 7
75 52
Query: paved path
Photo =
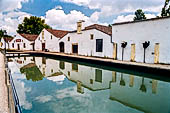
3 87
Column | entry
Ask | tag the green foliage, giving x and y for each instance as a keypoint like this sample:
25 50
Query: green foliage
32 25
165 10
2 33
32 72
109 25
139 15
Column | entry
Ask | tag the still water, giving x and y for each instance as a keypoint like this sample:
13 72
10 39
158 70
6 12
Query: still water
46 85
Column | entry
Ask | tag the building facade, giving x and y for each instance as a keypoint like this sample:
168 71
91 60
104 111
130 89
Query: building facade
94 40
5 42
23 42
142 41
48 39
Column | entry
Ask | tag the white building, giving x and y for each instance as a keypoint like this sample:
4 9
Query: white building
153 34
23 42
7 41
49 39
94 40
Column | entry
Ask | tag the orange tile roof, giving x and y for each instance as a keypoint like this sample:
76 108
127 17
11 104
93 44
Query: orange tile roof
8 39
57 33
102 28
29 37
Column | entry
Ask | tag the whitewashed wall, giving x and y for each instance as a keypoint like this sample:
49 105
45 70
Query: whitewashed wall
86 46
23 40
86 74
155 31
50 44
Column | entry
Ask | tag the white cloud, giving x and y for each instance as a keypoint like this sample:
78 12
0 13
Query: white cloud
123 18
58 7
57 79
10 5
43 99
60 20
78 2
114 7
11 20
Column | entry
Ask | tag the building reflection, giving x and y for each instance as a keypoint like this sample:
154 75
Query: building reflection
136 92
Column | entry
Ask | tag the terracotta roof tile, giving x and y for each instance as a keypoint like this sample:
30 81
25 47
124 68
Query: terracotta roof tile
57 33
102 28
8 39
29 37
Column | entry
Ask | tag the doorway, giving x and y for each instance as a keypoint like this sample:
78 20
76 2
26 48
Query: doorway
132 58
43 46
18 46
115 51
75 48
33 46
61 44
156 53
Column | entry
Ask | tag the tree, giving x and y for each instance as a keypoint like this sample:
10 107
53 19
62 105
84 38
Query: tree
139 15
32 25
165 10
2 33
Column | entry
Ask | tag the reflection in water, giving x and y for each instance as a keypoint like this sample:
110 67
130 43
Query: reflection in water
131 80
32 72
70 87
142 86
122 81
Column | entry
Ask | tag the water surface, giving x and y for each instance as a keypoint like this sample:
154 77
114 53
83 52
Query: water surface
46 85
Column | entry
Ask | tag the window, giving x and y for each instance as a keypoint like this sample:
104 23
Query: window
99 45
98 75
51 70
13 45
24 58
68 73
43 60
51 37
91 36
75 67
43 35
68 38
24 45
62 65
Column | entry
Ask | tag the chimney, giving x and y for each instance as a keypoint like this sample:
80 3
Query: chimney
79 26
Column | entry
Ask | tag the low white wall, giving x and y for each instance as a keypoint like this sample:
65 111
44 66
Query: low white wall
155 31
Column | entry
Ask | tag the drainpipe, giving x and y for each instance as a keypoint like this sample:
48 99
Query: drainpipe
123 45
145 45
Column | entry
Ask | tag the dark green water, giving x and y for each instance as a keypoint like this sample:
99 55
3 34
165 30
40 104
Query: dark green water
54 86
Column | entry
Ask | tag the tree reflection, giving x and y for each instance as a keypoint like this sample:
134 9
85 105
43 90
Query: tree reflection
143 87
32 72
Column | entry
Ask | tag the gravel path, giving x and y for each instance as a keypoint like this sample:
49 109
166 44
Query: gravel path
3 87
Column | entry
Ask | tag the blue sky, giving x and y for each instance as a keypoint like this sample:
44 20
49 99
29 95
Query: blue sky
63 14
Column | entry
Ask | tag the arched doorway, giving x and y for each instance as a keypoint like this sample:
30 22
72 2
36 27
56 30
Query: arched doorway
61 47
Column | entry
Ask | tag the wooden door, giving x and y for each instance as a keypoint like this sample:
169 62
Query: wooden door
18 46
61 47
33 46
156 53
43 46
132 58
75 48
115 51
